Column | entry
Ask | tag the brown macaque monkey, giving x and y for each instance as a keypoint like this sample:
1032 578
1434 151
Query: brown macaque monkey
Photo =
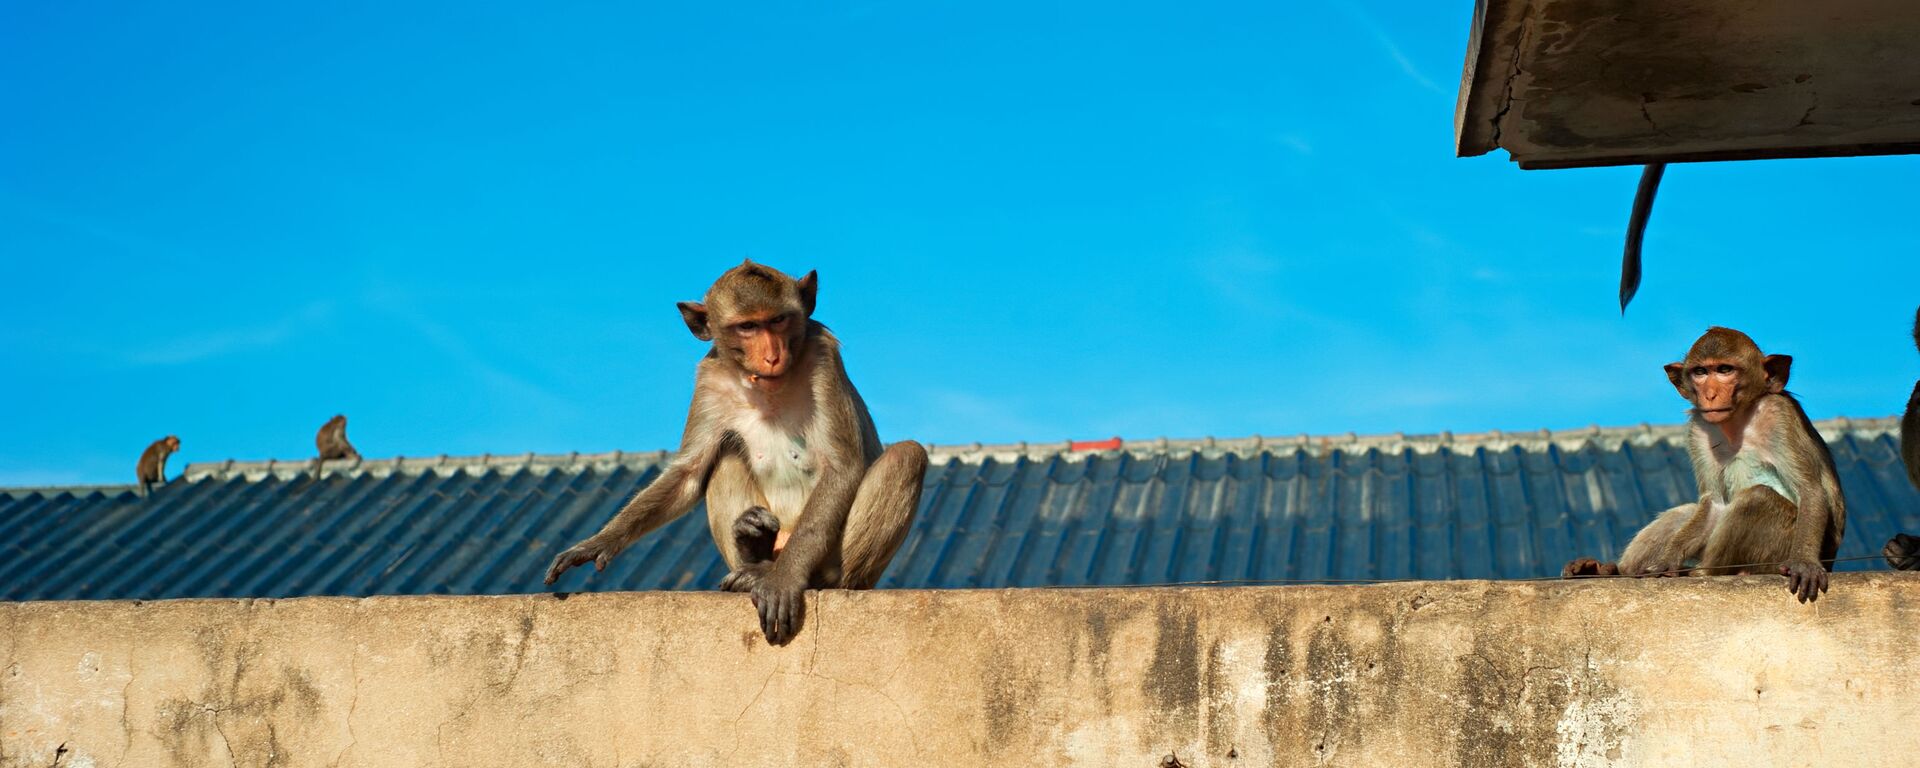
800 495
152 469
332 442
1769 493
1903 550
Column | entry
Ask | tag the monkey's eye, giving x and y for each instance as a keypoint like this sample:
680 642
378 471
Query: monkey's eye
1723 369
748 327
778 323
1698 370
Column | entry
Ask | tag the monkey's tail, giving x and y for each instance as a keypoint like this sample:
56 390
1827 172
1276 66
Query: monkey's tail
1637 229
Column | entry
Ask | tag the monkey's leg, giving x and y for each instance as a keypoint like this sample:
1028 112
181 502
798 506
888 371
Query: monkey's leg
1756 534
731 493
883 511
1667 533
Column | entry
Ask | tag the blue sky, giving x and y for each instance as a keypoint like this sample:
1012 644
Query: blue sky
465 227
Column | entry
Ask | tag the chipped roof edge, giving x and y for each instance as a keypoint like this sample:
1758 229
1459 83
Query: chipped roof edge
1493 440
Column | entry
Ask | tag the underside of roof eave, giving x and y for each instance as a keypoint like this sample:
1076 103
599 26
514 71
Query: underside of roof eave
1574 83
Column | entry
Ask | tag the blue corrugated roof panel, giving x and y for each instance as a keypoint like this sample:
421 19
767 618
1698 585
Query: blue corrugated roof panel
1435 507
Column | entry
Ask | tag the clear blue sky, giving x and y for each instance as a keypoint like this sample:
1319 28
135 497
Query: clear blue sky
465 227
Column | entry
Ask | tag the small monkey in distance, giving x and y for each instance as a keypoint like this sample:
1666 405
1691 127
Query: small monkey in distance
152 469
800 494
332 442
1768 490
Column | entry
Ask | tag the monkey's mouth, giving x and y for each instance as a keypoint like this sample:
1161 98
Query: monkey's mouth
1716 415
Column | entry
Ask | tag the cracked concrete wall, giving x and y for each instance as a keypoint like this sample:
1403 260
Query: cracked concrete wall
1569 83
1669 672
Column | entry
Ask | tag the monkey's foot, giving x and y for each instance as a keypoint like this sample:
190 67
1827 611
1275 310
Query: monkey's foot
754 534
744 578
1587 567
1902 552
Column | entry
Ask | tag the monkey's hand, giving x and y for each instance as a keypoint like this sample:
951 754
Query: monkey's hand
1902 551
744 578
1805 579
593 550
1587 567
781 598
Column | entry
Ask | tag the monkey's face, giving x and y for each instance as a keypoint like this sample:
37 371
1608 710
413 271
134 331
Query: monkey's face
756 318
763 344
1717 388
173 444
1724 374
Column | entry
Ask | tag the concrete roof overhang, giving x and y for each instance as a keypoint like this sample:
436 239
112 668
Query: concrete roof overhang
1575 83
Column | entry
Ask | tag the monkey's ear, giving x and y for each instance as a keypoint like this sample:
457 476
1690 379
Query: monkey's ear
1676 373
1778 366
695 313
809 288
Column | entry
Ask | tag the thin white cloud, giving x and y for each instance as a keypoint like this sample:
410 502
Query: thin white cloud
32 477
456 348
1393 49
1256 283
220 343
28 209
1294 142
936 413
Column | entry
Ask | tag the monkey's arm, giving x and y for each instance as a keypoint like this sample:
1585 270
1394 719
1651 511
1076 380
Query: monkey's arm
1793 443
669 496
816 540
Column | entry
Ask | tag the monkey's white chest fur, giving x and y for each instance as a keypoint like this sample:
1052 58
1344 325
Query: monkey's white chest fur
783 467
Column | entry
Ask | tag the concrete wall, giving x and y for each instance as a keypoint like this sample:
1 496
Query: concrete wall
1570 83
1672 672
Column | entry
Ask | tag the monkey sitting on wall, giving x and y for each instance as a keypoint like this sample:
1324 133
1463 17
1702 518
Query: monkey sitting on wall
1769 495
800 495
1903 550
152 468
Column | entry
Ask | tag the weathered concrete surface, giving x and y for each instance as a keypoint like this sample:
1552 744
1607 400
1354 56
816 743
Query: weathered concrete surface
1671 672
1561 83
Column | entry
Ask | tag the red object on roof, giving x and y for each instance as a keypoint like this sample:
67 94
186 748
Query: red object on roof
1109 444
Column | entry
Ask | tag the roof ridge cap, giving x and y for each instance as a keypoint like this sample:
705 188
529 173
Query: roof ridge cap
1349 441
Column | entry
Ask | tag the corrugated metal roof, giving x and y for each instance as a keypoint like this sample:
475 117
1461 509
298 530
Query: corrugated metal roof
1388 507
